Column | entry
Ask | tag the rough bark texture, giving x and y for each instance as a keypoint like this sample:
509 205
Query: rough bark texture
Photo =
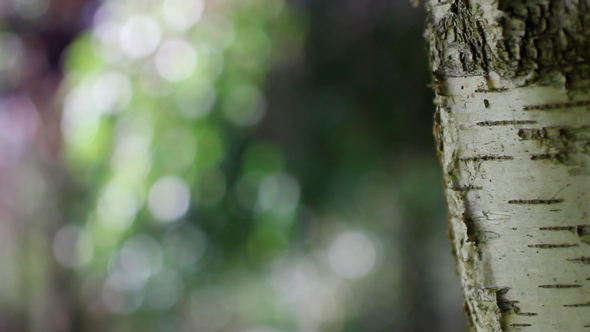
513 128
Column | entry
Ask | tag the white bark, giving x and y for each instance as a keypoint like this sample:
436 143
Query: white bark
516 158
519 209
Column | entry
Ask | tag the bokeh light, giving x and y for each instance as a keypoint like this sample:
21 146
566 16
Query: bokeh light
211 307
72 246
169 198
117 206
121 302
245 106
185 247
140 36
163 290
352 255
279 193
182 14
176 60
30 9
197 100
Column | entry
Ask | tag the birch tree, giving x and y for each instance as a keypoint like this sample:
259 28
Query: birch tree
512 81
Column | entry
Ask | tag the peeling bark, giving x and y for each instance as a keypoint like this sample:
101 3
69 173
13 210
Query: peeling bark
512 125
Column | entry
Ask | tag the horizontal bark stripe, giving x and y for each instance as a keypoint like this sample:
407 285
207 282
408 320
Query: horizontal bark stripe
577 305
486 158
553 246
535 201
504 123
547 107
560 286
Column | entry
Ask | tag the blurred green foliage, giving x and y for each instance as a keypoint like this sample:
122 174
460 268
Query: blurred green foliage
254 166
178 210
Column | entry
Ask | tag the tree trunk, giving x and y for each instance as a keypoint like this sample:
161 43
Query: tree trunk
35 292
513 128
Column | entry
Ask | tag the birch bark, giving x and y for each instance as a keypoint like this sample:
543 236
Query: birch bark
513 129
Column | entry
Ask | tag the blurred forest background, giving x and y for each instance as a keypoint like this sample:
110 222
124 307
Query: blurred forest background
220 166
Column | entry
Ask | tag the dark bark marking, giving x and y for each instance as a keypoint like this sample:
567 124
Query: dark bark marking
572 145
548 107
520 325
552 246
470 225
536 201
554 157
505 123
560 286
558 228
506 306
438 134
587 304
487 236
466 188
486 158
491 90
582 231
539 134
583 260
